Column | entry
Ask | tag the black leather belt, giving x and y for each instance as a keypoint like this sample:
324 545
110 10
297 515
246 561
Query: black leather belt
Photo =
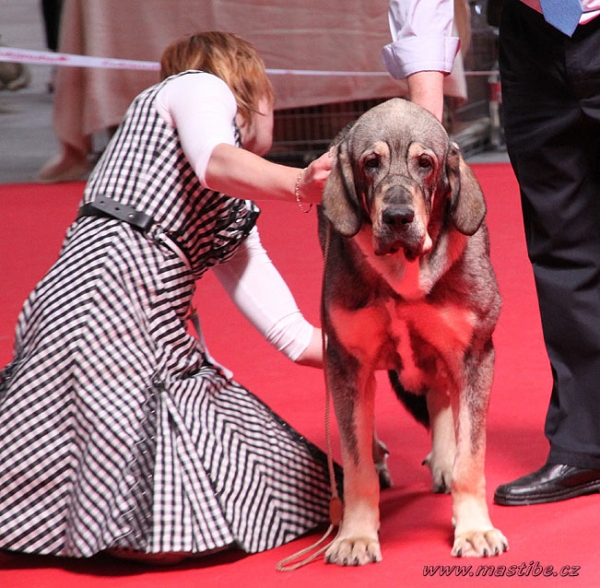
108 208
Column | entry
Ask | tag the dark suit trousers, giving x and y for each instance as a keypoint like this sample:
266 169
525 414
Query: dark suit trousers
551 98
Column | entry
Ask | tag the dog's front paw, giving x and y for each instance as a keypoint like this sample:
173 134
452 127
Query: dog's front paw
479 543
355 551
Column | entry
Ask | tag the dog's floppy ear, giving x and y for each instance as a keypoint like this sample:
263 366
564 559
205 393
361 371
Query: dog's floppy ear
467 204
340 202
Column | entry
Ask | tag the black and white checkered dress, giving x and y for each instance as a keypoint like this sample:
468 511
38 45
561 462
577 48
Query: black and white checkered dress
116 430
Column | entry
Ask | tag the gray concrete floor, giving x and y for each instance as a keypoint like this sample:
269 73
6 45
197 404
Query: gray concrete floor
27 140
26 137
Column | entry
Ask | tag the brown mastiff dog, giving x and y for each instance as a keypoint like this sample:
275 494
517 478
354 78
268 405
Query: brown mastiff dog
408 287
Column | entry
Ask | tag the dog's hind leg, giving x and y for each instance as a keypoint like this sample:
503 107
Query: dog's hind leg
433 410
443 441
380 455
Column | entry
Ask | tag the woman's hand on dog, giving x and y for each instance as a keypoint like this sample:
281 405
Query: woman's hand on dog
313 179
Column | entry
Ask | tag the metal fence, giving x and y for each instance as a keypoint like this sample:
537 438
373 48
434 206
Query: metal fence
300 134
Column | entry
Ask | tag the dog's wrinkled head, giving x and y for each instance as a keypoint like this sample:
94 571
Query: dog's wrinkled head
392 168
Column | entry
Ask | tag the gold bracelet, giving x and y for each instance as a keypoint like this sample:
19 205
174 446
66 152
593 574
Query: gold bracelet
297 193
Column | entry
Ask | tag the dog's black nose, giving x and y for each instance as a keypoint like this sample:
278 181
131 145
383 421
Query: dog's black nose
398 215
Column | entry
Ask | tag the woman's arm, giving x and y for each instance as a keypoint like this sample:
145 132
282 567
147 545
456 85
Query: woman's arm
202 108
242 174
263 297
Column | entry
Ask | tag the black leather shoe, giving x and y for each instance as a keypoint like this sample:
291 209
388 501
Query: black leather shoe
551 483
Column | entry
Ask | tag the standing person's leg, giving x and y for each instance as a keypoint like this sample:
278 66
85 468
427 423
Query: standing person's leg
551 95
51 12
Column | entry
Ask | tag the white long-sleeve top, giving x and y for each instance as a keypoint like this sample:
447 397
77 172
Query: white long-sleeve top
202 108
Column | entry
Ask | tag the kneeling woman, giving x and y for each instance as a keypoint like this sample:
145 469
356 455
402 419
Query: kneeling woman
117 430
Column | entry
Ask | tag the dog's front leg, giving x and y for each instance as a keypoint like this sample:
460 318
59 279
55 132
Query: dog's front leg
357 542
474 534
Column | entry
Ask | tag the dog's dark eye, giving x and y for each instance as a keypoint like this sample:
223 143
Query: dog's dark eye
372 162
425 162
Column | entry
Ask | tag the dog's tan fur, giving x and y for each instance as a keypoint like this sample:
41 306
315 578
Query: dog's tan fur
408 287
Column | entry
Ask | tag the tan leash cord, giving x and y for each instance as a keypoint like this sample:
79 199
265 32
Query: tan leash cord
336 507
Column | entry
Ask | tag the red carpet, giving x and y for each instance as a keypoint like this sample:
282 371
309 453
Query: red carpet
549 545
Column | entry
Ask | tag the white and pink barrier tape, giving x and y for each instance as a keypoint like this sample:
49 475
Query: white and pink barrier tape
65 59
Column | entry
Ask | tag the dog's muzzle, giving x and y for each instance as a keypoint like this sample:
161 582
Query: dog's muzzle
398 228
397 222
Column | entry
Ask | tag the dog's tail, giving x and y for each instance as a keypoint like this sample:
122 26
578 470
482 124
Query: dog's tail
416 404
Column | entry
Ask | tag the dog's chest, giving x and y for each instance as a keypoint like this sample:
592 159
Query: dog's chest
430 339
